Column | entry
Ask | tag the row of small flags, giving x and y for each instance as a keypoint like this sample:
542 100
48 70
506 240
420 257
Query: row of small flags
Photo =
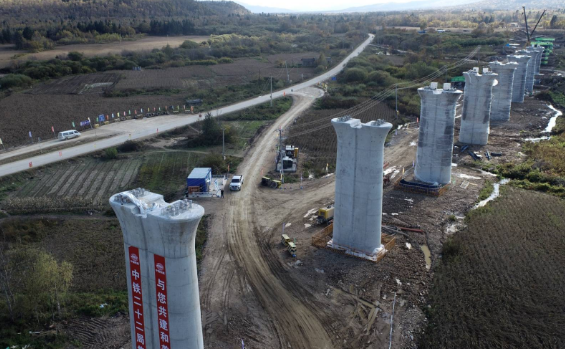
107 117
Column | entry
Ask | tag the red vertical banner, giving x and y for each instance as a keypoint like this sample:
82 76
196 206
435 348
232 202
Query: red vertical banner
162 302
137 297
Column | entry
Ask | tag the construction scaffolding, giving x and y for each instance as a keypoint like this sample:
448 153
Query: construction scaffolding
324 239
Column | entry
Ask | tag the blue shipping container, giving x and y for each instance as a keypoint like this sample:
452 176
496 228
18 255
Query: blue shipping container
201 177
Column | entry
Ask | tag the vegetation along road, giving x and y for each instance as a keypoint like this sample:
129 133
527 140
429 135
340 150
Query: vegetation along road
166 124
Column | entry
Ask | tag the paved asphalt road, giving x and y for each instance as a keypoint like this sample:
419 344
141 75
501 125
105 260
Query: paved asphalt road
161 124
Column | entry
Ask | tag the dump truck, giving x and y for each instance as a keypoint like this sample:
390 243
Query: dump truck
290 245
291 249
271 183
326 214
285 239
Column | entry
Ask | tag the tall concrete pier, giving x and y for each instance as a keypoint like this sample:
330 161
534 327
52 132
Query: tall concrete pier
537 63
359 184
530 72
502 92
164 303
475 120
435 140
519 84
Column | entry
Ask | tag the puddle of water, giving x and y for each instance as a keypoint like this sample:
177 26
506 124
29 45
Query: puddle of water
487 173
427 256
537 139
553 119
549 127
306 225
462 175
495 193
413 144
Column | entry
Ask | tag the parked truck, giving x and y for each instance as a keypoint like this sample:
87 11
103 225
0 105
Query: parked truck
290 245
325 215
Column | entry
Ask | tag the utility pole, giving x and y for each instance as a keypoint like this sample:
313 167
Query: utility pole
271 91
396 88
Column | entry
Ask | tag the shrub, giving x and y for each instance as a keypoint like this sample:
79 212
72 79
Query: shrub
129 146
355 74
225 60
15 80
75 56
110 153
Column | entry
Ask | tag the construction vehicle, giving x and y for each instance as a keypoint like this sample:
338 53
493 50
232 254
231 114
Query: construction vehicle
285 239
291 151
325 215
271 183
292 249
290 245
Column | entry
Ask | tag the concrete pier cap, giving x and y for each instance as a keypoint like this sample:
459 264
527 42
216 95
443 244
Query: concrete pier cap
519 85
502 92
359 184
435 138
159 239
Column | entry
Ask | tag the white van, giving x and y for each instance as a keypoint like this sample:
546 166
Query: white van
68 134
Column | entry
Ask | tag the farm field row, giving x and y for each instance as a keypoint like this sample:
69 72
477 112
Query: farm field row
93 181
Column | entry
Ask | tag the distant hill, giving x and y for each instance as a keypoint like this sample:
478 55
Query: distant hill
516 4
225 7
265 9
406 6
22 10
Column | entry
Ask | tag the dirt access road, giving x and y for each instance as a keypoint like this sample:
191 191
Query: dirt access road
7 52
294 322
247 289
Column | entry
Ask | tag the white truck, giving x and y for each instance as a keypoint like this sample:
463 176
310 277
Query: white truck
236 183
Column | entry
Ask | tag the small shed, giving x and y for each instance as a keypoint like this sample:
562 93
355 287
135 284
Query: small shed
199 179
308 62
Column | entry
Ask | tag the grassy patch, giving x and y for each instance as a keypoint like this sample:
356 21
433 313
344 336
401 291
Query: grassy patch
487 189
217 97
98 303
262 111
166 172
10 184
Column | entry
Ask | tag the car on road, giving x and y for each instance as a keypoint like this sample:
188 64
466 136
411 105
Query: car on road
236 183
68 135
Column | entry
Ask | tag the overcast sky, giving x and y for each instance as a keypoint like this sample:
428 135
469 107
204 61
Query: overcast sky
317 5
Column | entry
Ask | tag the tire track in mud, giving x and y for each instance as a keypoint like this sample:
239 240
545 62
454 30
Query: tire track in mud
295 322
